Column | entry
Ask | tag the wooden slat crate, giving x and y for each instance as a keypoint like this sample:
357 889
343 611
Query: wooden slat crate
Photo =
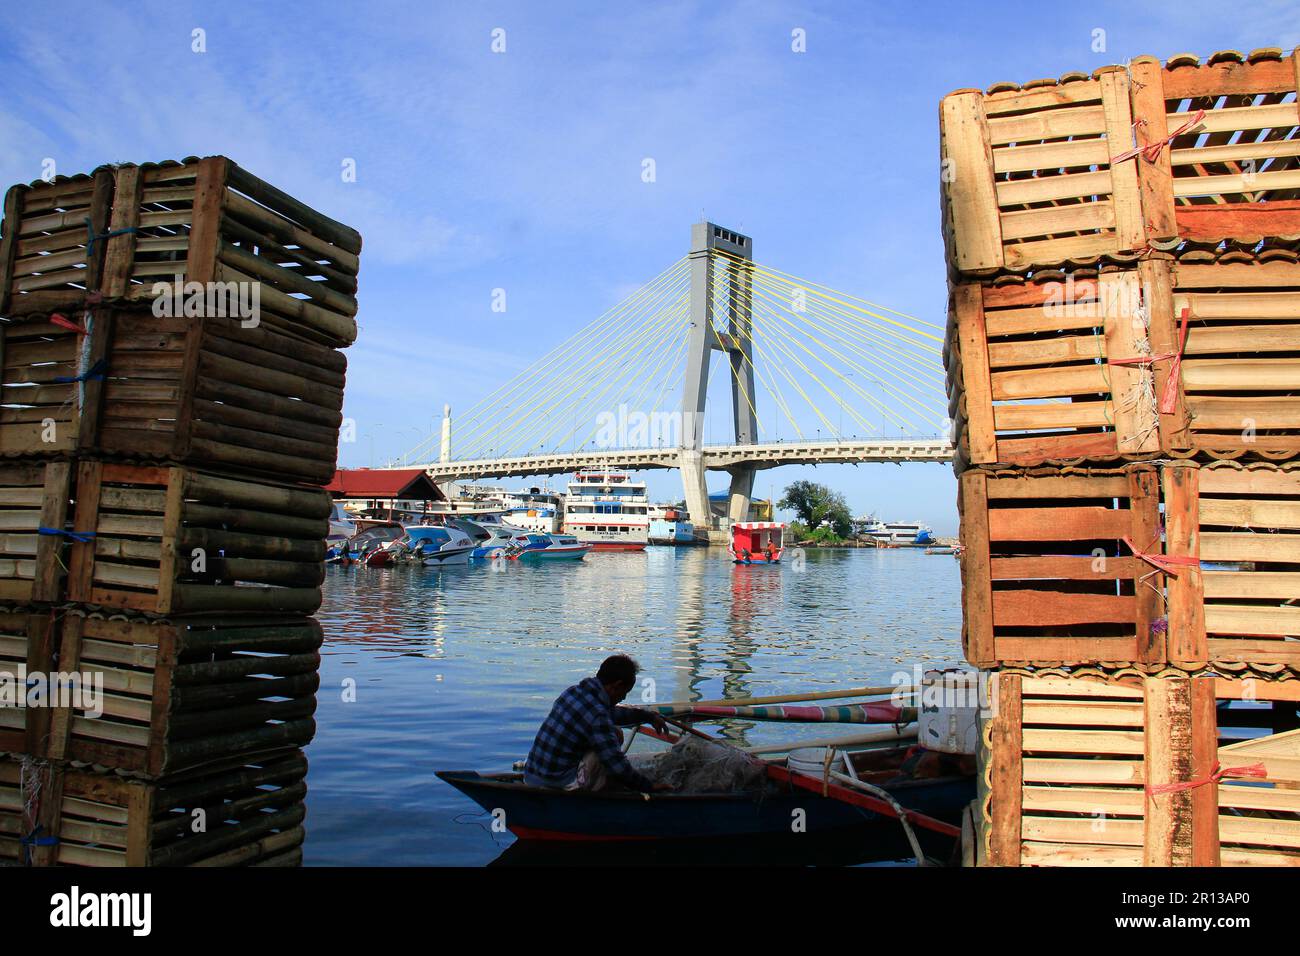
1076 770
1046 573
173 540
27 647
43 398
1240 374
1028 180
1235 173
186 692
210 392
180 389
33 497
253 812
1086 366
209 221
1242 602
1030 369
12 828
44 262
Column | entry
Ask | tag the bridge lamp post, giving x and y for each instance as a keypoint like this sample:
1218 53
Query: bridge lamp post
371 435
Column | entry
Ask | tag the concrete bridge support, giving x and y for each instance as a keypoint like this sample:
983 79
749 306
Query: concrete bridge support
697 491
742 493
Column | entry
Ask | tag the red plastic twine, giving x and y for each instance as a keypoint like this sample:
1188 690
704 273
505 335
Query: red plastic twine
1162 562
1257 770
1168 398
1151 151
64 322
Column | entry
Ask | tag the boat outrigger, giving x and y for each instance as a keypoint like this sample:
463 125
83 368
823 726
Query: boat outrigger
756 542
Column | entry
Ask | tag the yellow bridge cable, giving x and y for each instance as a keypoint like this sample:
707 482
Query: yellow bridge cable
876 373
831 325
649 380
849 327
785 337
605 375
564 350
575 367
573 351
773 389
646 339
915 339
776 343
805 283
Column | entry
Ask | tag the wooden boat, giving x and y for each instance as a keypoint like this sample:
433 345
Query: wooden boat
756 542
540 813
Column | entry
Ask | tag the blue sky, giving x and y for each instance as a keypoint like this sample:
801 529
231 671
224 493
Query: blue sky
522 170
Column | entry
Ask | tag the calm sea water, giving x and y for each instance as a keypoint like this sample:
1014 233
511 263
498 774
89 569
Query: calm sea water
455 669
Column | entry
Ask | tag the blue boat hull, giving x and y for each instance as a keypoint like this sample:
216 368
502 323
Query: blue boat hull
540 814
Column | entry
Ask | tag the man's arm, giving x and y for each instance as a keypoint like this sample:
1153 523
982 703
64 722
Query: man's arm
631 716
610 751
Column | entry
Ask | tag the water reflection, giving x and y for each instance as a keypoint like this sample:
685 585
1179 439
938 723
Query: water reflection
455 668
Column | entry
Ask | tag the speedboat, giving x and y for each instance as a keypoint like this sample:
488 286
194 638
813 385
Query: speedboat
500 536
435 545
369 547
550 547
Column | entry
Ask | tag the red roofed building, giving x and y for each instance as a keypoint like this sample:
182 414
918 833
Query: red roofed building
408 489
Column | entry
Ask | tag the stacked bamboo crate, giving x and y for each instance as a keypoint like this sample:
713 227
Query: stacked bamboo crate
1123 360
170 346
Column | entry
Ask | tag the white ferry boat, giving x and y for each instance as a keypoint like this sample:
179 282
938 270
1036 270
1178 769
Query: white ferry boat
607 510
535 510
897 532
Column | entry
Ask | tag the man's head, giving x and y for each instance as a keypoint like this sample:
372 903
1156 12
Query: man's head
618 675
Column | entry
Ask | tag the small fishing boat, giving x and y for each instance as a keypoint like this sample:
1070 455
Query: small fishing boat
756 542
434 546
369 547
541 813
549 547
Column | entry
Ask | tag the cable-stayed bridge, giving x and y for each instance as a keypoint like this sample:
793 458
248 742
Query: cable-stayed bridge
814 376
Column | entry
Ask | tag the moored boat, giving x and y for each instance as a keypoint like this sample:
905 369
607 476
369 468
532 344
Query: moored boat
607 510
756 542
434 545
549 547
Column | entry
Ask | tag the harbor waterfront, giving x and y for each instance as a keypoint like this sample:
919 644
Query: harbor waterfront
427 668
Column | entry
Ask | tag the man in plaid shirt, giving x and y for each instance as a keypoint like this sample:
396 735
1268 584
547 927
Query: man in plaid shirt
579 744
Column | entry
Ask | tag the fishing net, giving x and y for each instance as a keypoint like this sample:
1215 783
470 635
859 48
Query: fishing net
694 765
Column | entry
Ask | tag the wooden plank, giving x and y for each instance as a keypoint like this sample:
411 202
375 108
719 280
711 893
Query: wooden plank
1047 124
1006 750
1282 585
1226 220
1054 415
1069 567
1167 822
1114 832
977 587
1032 608
1062 770
1235 374
1099 802
1079 854
1110 742
1072 523
1144 530
1045 486
1073 649
1155 179
1130 230
1272 514
972 200
968 306
1051 156
1204 762
1056 220
1245 546
1049 383
1079 312
1237 413
1186 639
1251 481
1107 713
1046 351
1132 388
1019 192
1254 620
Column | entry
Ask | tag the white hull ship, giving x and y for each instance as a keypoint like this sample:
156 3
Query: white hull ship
608 511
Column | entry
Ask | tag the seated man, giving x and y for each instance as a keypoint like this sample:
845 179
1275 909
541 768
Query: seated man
578 746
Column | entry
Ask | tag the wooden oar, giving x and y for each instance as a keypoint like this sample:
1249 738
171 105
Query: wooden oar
826 788
793 698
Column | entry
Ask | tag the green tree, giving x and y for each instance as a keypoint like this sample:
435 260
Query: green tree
815 504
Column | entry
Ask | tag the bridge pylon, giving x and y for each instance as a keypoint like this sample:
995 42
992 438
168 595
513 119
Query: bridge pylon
738 345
